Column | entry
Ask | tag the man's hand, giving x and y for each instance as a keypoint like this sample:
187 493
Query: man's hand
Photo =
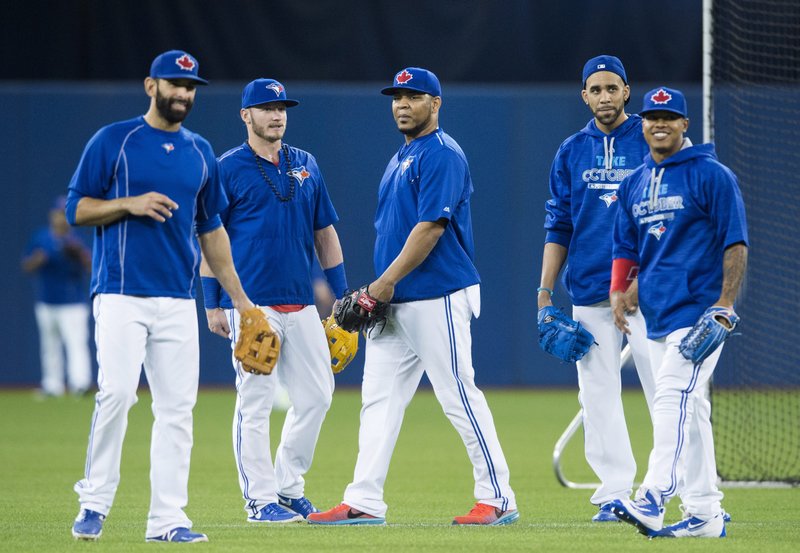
623 304
154 205
218 322
381 290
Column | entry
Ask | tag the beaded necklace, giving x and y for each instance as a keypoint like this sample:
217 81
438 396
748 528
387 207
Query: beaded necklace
285 150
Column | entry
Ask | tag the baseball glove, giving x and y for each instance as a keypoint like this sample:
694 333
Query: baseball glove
561 336
711 329
358 311
342 344
258 346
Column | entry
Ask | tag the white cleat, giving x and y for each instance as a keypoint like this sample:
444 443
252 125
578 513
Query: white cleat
693 527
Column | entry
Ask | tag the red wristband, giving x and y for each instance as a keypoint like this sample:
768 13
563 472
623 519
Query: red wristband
623 271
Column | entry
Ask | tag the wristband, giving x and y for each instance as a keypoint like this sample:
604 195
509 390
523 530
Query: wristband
211 289
623 272
337 279
545 289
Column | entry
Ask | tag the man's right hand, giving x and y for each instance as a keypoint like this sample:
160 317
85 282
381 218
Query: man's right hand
621 305
153 204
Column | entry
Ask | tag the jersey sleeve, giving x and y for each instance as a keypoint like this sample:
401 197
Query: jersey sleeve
558 218
211 200
441 185
92 178
324 212
726 206
626 231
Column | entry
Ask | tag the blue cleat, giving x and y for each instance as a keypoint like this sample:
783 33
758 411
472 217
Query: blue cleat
178 535
605 514
88 525
693 527
275 514
645 513
299 505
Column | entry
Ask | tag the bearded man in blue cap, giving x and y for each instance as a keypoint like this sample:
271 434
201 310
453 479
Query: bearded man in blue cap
151 189
584 178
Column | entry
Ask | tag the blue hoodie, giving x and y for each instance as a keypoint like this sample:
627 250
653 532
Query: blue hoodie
675 219
584 178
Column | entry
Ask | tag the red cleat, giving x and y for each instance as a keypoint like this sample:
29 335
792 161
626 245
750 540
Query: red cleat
487 515
344 514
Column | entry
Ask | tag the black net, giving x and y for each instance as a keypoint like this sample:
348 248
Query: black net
756 122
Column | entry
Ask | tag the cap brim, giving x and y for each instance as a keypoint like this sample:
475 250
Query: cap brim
288 103
198 80
391 90
670 110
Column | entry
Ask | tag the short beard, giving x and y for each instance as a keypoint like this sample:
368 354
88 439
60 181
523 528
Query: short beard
261 132
606 119
414 132
164 107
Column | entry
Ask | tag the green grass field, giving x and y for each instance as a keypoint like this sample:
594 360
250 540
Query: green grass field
43 443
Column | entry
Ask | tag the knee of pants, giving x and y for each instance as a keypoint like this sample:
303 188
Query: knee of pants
310 405
112 395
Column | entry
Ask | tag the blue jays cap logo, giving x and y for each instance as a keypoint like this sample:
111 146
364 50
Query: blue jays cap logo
657 230
609 198
661 97
185 63
276 88
168 147
403 77
301 174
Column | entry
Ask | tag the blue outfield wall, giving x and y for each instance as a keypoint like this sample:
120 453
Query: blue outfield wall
509 133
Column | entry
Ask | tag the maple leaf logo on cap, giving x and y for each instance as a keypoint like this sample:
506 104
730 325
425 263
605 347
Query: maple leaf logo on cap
403 77
661 97
185 62
276 88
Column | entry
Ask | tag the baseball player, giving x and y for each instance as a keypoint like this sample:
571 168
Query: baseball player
682 222
279 212
59 260
424 262
149 186
584 178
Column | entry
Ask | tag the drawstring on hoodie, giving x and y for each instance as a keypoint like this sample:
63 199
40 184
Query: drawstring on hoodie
608 153
655 186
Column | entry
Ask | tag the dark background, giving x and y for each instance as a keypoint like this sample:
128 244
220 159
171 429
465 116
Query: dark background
502 41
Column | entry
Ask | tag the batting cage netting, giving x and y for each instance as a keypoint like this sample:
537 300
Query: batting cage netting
754 101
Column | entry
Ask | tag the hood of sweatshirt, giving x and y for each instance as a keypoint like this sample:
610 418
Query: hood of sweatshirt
630 125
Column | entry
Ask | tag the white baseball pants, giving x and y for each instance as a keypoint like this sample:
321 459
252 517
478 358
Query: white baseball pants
304 370
161 334
607 444
430 336
682 460
64 325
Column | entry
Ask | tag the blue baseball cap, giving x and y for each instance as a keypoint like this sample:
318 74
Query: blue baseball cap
664 99
176 64
265 91
414 78
604 63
